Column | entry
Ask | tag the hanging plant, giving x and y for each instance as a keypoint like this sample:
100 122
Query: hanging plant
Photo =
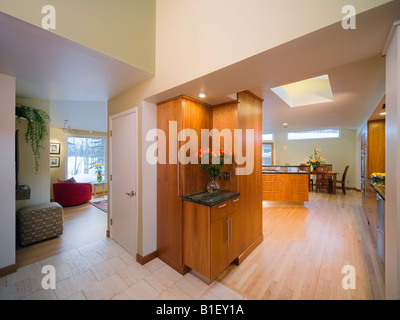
37 128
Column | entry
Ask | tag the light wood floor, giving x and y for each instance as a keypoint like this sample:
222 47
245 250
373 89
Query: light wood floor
301 257
305 249
83 224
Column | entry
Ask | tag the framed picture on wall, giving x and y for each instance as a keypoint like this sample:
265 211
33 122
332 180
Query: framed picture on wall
54 162
54 148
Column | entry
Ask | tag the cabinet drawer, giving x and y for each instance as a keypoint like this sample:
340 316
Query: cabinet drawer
234 204
220 210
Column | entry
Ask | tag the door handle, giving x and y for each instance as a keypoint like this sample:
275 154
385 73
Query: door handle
131 194
227 232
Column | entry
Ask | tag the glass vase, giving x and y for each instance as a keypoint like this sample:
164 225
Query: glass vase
213 186
99 177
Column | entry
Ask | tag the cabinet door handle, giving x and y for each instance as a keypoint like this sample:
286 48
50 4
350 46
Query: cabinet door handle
236 200
177 169
230 231
221 206
227 232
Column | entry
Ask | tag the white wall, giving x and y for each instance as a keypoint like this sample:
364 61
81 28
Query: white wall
149 180
7 171
338 152
39 182
392 199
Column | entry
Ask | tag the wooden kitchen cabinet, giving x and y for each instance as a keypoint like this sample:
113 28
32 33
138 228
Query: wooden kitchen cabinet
285 187
212 236
175 180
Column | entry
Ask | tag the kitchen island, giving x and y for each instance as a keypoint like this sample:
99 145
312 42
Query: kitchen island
285 184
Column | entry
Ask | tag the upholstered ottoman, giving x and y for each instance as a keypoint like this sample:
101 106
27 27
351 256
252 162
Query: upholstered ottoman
41 222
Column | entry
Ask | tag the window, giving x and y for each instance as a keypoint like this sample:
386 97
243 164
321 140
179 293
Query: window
314 134
268 137
82 154
267 154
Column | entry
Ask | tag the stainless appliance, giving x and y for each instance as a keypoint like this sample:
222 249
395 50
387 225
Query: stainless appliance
380 234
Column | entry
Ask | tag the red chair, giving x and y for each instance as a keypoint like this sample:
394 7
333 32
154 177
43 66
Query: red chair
72 193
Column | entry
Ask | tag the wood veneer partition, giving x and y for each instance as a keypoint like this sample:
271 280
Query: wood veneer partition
174 180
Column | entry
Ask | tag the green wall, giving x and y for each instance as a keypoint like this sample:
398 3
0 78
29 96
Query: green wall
338 152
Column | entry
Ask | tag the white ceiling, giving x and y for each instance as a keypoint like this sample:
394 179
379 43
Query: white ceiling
81 115
50 67
352 59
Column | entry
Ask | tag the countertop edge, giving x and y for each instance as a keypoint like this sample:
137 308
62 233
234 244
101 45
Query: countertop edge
377 189
233 195
285 172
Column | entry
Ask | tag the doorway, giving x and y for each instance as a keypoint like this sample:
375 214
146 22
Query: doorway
123 179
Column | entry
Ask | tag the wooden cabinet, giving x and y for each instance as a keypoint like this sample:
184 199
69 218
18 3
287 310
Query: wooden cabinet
212 236
285 187
175 179
376 146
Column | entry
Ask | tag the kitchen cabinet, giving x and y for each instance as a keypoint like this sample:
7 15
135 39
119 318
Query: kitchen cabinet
211 236
376 146
285 187
176 179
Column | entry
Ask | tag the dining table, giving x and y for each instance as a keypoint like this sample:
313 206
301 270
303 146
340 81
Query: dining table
332 174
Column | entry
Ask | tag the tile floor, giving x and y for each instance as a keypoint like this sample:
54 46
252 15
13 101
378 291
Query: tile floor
103 270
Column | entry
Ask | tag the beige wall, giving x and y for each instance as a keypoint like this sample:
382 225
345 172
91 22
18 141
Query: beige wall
122 29
39 182
7 171
57 135
338 152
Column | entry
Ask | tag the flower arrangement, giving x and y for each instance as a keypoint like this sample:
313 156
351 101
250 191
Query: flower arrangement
213 162
98 167
315 159
99 170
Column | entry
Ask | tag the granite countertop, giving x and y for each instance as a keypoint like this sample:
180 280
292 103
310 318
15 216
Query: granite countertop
380 189
285 172
210 199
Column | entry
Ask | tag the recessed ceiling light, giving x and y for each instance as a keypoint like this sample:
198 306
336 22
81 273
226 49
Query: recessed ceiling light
306 92
202 95
285 125
383 113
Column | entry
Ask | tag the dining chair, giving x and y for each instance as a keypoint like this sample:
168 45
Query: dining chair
343 181
305 167
322 181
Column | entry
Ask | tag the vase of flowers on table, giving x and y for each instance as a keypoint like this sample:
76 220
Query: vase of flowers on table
213 162
99 171
315 159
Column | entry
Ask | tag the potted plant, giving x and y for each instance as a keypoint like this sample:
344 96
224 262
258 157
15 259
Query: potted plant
36 132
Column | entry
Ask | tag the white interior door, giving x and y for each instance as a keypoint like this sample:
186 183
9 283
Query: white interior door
123 162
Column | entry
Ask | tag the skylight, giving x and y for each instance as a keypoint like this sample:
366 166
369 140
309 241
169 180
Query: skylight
306 92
